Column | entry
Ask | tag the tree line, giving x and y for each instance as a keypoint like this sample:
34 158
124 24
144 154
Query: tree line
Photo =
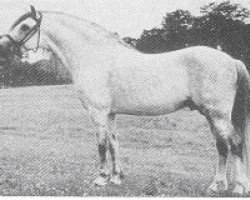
19 74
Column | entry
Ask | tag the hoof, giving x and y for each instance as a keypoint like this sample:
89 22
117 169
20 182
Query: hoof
217 186
101 180
241 189
115 179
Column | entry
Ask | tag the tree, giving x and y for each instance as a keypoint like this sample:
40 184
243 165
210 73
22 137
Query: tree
152 41
223 24
229 11
218 19
177 21
18 74
172 34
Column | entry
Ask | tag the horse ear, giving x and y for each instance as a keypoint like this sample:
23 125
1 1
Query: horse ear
33 11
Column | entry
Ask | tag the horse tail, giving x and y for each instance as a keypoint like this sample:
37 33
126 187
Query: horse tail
241 111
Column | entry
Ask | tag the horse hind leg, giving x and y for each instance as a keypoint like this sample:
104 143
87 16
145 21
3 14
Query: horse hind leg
221 128
242 185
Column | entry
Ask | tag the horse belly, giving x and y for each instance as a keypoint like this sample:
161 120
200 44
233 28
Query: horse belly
150 94
147 107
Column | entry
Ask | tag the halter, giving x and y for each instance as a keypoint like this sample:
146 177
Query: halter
17 44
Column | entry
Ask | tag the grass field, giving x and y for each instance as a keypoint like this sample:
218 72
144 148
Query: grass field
48 147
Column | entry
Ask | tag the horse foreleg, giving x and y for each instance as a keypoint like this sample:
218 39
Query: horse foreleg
114 152
100 117
103 177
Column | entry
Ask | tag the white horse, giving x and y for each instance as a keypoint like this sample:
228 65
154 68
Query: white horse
113 78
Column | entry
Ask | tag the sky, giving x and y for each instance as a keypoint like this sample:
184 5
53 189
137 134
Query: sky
126 17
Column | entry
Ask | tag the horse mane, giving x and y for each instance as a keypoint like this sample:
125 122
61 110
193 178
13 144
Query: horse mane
112 36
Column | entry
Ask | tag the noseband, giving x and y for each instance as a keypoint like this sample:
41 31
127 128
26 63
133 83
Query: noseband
17 44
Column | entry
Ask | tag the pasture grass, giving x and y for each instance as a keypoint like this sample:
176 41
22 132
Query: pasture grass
48 148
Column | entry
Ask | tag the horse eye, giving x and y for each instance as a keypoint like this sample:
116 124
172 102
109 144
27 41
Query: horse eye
25 27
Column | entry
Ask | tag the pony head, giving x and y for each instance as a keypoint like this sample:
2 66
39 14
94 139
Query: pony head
23 36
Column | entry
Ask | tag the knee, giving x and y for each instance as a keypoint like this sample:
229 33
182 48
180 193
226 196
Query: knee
99 115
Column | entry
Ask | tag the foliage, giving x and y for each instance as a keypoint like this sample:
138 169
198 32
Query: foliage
227 10
225 25
19 74
177 21
219 24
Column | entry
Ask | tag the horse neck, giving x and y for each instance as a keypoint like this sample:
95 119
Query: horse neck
69 37
93 30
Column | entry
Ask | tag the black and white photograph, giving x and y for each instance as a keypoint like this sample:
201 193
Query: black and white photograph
125 98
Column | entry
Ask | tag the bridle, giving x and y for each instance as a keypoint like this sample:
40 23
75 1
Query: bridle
17 44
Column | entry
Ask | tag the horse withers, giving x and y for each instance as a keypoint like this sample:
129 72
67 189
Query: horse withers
112 78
